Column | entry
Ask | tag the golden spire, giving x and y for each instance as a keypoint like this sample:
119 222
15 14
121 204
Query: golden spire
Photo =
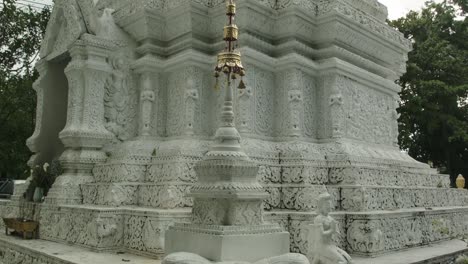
229 61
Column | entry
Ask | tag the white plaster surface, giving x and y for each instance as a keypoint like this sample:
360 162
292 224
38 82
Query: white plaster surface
319 113
418 254
66 254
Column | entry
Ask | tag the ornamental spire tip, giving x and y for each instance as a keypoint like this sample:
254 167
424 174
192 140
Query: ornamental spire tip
229 61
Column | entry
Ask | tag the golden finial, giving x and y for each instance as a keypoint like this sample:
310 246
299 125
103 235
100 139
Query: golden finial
229 61
460 182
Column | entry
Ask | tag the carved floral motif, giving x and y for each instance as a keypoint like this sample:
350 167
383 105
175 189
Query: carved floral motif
121 99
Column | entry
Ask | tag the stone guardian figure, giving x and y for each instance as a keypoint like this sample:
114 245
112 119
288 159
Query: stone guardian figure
322 249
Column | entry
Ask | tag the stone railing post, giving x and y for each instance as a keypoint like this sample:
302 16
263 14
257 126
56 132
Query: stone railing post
84 134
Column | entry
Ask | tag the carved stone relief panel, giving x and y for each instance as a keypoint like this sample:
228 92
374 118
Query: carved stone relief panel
160 104
121 98
191 103
83 227
371 235
165 196
184 90
310 107
365 237
369 112
298 229
293 85
354 110
148 91
325 101
391 198
263 85
146 233
169 177
175 97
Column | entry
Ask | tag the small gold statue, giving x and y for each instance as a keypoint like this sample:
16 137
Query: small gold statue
460 182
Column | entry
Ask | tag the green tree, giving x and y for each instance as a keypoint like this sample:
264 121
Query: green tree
21 31
463 4
434 107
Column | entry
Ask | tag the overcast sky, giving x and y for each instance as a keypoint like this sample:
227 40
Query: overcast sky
396 8
399 8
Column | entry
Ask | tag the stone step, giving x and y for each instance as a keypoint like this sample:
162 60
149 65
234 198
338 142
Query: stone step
47 252
441 253
299 197
315 173
302 197
386 175
365 198
17 250
364 175
174 195
375 233
138 230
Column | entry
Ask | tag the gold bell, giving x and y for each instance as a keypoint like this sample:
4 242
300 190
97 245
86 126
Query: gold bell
241 85
216 87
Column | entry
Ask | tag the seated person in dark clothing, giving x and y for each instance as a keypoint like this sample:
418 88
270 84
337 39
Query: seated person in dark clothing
6 187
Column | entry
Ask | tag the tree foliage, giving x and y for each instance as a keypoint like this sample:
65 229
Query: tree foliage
21 31
434 106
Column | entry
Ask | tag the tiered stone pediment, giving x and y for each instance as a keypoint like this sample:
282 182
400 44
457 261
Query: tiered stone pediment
317 30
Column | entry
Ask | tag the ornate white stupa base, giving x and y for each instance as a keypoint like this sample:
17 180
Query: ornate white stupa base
15 250
228 243
318 114
189 258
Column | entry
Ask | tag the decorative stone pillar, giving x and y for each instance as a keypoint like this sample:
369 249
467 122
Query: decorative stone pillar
184 88
336 109
295 100
147 70
294 84
32 142
84 134
336 105
191 100
146 106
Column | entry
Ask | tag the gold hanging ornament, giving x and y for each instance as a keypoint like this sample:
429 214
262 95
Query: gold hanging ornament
216 87
241 85
229 61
